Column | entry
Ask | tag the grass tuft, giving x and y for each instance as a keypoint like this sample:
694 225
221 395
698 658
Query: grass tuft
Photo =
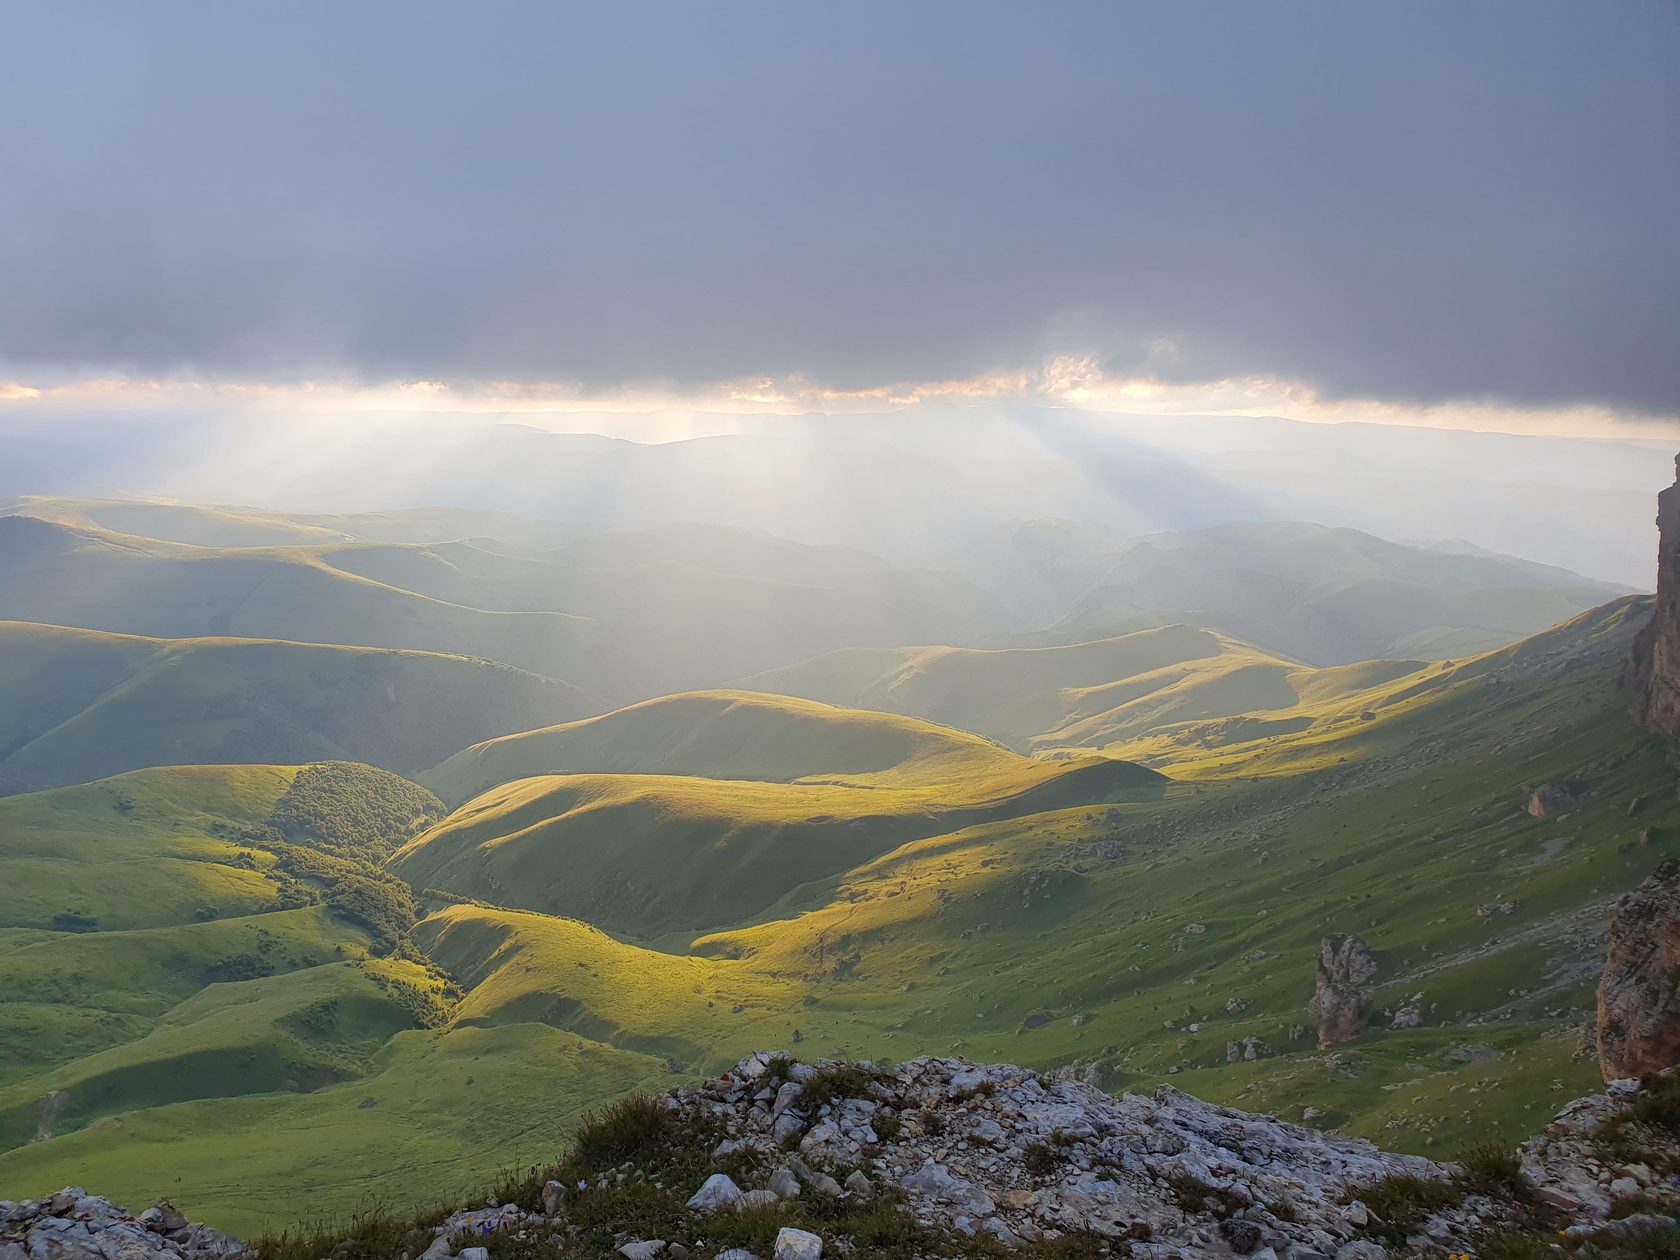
831 1084
621 1131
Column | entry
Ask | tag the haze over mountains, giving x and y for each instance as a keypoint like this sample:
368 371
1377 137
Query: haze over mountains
918 490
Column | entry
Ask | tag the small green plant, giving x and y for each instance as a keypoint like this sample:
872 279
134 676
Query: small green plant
371 1234
830 1084
621 1131
1039 1159
1494 1171
1193 1196
1402 1203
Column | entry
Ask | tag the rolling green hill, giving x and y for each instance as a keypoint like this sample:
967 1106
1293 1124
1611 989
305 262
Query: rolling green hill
650 852
1083 694
199 932
78 705
724 735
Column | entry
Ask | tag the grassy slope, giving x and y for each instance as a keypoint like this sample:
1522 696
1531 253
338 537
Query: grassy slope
79 705
143 960
438 1116
293 1031
652 853
1079 695
136 851
724 735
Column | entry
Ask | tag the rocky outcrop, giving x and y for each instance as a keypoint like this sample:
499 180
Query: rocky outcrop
1554 799
1001 1155
1654 674
999 1151
1574 1170
75 1225
1341 1005
1638 1001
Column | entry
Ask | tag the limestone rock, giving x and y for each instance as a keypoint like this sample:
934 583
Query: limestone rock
797 1244
719 1192
1553 799
1341 1005
75 1225
1654 673
1638 1006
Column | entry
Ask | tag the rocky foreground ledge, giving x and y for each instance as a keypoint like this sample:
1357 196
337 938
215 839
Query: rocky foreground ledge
941 1157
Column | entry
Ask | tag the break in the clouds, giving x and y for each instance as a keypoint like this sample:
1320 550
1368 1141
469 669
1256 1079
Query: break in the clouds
1417 202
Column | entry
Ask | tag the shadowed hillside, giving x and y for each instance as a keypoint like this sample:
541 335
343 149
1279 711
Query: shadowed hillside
77 705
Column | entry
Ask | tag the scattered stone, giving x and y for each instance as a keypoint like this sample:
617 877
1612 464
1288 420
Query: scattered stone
797 1244
718 1193
783 1184
630 1251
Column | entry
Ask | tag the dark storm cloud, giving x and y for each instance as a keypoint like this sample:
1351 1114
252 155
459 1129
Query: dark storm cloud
1416 202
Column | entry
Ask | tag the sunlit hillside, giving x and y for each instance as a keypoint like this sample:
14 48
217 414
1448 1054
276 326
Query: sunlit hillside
1166 681
658 847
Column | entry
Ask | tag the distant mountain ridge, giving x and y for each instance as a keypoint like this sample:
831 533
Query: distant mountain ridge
652 626
1316 594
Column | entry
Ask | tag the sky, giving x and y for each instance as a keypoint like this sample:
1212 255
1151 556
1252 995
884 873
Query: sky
1458 213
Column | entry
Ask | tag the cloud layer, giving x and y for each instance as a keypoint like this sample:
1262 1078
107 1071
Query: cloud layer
1422 203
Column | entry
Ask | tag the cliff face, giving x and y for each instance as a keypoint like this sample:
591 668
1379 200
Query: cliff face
1638 1005
1654 673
